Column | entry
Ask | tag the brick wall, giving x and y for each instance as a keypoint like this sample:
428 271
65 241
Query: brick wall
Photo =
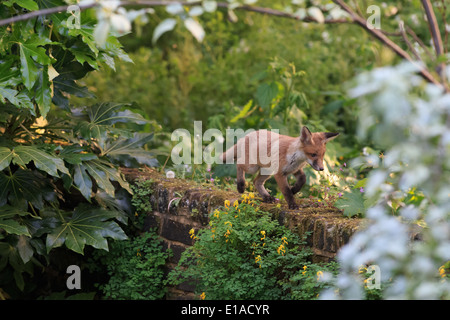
180 205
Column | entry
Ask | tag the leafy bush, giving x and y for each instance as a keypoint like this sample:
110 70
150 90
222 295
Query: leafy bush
135 268
59 177
245 254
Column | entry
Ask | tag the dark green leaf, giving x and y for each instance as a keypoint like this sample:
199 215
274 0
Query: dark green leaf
23 186
124 150
6 156
82 181
42 160
86 34
9 224
352 203
86 225
29 53
27 4
43 95
265 93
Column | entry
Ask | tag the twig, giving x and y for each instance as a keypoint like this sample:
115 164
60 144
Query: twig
420 42
408 43
435 35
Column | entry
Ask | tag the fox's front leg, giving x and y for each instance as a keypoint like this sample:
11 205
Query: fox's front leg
301 179
286 190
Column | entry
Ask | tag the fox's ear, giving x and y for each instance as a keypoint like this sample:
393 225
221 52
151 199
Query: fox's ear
305 135
330 136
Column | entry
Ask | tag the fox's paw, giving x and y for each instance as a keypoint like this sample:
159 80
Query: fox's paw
269 199
295 189
293 206
241 186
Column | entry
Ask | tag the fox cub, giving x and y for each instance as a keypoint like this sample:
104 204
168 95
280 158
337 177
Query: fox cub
280 156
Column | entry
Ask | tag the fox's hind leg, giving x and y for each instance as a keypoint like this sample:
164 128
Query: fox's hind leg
259 185
240 177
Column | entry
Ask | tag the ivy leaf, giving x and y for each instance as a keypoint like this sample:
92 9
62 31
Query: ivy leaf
9 224
86 225
352 203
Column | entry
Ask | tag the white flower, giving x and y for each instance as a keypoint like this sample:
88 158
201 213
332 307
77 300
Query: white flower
120 23
170 174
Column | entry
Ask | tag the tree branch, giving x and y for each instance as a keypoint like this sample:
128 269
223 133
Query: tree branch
435 35
434 27
388 42
146 3
354 18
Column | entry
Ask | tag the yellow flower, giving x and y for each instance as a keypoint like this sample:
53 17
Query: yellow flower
228 222
264 235
236 204
258 260
319 275
203 296
442 271
138 254
281 250
227 204
284 240
305 267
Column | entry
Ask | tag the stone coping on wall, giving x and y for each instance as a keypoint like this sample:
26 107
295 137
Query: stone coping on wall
180 205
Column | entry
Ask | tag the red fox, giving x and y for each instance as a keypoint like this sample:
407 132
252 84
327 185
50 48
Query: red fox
288 155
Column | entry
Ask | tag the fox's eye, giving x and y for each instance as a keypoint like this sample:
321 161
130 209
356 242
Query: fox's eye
313 155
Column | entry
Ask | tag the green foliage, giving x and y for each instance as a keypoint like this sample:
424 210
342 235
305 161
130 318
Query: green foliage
307 283
214 80
245 254
142 190
352 202
59 177
135 268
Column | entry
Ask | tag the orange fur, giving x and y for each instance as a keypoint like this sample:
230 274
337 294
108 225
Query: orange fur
268 153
